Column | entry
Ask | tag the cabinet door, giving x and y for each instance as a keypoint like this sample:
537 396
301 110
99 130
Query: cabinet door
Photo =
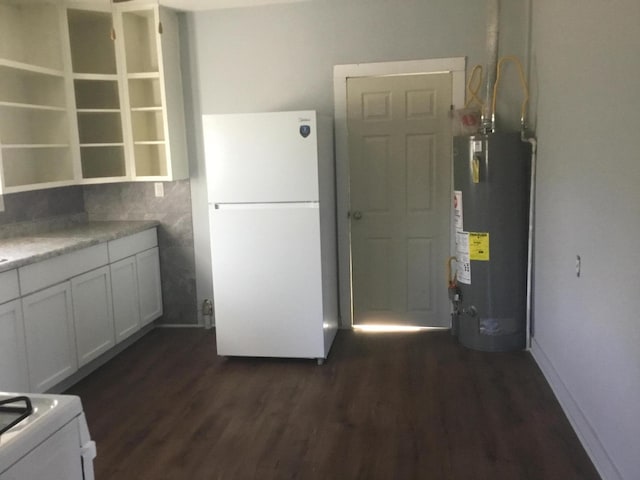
93 314
13 354
50 336
126 307
149 286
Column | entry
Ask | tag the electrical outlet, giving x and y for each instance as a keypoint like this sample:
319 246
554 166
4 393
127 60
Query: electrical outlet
159 189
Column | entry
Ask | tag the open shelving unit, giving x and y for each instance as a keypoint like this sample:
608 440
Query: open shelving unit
154 92
97 88
35 141
145 92
79 104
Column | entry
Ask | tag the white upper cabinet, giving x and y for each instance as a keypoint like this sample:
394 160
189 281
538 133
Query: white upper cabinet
96 87
35 135
89 93
153 91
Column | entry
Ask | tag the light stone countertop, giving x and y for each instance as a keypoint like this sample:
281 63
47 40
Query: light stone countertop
20 251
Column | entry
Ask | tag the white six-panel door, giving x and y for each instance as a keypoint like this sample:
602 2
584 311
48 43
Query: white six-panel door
400 169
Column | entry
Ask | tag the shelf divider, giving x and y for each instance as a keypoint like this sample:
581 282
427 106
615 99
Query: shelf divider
96 145
34 145
27 67
32 106
95 76
143 75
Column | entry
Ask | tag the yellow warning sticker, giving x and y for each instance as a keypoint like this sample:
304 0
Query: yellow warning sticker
479 246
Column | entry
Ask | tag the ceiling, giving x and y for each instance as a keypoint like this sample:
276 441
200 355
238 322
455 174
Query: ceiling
213 4
192 5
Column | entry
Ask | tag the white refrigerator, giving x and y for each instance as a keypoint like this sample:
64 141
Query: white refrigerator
271 189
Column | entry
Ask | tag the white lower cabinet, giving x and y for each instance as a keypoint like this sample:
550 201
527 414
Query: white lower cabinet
50 336
74 308
13 350
149 285
93 314
124 289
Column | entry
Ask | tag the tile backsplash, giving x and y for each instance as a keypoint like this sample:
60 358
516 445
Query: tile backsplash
137 201
28 213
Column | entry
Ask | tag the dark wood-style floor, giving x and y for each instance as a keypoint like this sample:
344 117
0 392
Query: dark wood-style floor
384 406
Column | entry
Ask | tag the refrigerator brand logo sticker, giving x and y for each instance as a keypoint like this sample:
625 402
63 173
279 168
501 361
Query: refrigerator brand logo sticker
305 130
479 246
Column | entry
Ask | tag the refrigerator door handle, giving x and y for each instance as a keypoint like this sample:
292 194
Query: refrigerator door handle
259 206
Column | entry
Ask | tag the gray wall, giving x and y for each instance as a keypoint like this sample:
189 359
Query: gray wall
586 66
281 57
137 201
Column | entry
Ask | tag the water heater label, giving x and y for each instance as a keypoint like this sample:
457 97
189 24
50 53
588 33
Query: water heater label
457 209
479 246
463 273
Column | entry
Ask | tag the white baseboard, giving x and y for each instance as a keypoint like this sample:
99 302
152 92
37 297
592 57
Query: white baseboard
587 435
179 325
101 360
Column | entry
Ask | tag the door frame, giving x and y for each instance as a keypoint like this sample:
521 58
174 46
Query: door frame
454 65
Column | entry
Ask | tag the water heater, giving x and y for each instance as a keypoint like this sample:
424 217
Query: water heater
491 204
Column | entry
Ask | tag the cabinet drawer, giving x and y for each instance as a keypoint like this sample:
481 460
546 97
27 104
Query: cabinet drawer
127 246
57 269
9 286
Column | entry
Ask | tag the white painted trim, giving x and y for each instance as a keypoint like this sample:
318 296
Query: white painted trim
456 66
587 435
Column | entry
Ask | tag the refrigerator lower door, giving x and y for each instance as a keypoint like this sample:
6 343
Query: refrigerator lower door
267 280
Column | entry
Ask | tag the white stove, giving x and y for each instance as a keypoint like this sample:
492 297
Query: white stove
51 442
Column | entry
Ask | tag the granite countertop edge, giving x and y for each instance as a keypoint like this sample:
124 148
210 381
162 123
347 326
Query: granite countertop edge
25 250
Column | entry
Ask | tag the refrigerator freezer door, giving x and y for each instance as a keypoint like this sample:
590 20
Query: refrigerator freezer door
267 280
261 157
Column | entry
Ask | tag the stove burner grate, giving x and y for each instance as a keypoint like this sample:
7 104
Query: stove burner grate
21 412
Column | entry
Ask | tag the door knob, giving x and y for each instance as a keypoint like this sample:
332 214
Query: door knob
357 215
